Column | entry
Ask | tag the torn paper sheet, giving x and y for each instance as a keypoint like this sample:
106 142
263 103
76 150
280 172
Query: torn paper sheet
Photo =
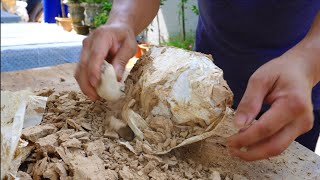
35 109
18 110
174 97
13 107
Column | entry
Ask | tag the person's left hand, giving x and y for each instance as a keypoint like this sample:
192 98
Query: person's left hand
286 84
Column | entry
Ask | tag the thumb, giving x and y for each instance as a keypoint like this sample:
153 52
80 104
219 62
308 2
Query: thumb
125 52
252 100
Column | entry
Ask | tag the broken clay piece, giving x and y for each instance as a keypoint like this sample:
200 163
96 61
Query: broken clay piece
109 88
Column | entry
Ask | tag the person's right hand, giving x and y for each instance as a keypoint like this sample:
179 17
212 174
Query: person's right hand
115 43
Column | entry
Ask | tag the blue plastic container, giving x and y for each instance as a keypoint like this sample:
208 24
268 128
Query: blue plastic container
52 9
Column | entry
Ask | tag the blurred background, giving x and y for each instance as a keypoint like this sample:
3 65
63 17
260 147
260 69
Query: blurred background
41 33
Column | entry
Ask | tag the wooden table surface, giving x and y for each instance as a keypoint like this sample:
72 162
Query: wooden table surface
296 163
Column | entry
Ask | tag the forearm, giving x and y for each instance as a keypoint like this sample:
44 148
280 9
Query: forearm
309 48
135 13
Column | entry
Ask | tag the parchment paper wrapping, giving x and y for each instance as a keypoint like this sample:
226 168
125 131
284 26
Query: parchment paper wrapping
18 109
174 97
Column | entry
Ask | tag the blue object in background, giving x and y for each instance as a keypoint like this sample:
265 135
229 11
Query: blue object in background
52 9
9 18
46 44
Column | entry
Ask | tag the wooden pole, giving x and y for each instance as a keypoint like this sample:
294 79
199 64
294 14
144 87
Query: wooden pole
183 21
62 9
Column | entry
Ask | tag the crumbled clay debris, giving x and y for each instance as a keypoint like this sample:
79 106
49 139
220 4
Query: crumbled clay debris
71 153
23 175
35 132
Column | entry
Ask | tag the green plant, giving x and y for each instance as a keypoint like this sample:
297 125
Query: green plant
178 41
75 1
102 18
95 1
106 6
195 9
162 2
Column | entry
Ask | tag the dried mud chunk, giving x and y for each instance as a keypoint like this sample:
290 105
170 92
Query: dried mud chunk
66 131
39 168
188 174
173 143
115 124
134 164
86 126
97 109
184 134
45 92
90 168
96 147
84 139
126 173
162 124
72 95
239 177
60 169
151 157
79 134
30 168
23 175
165 167
154 137
111 174
138 146
64 137
158 175
74 143
61 151
171 162
50 173
73 124
111 134
151 165
197 130
59 125
167 143
146 149
180 140
33 133
215 175
47 144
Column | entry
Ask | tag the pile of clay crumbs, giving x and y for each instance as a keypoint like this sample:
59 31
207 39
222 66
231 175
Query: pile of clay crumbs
79 139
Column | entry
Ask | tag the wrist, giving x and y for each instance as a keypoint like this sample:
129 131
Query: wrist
308 54
118 18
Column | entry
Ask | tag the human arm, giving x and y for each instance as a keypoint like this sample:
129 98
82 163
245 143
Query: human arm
114 41
285 83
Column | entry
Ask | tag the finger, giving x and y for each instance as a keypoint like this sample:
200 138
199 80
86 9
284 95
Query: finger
251 102
125 52
85 85
272 146
98 52
269 123
81 73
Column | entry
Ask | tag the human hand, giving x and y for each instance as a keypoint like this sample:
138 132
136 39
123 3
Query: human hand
286 84
113 42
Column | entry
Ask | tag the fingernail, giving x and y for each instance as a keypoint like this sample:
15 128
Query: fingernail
93 81
240 119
